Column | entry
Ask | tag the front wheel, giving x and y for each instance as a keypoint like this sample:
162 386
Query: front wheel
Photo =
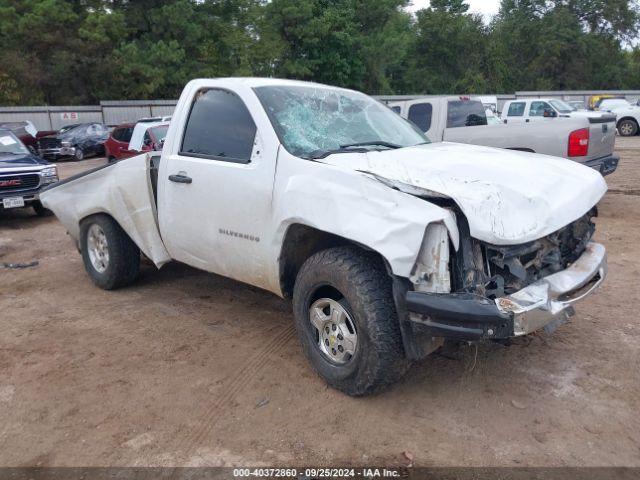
40 209
110 257
627 128
347 322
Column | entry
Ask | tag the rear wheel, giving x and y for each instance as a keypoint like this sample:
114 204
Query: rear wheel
628 128
347 322
110 257
79 154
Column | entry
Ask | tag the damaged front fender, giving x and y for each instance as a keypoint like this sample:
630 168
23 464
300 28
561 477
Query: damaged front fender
357 207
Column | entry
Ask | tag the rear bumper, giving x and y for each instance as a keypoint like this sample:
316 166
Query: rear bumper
605 165
473 317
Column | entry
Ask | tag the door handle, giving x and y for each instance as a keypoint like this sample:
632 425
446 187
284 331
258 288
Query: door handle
180 178
527 120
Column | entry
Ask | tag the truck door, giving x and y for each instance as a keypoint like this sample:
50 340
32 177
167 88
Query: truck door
515 113
215 187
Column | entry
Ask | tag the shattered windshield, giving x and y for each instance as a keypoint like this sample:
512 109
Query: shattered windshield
313 120
10 144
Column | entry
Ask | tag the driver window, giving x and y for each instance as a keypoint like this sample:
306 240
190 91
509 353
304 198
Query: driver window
537 109
219 128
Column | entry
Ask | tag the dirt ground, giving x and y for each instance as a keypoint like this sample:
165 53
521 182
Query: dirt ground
188 368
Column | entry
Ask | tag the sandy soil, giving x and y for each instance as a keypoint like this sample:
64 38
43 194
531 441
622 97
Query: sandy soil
188 368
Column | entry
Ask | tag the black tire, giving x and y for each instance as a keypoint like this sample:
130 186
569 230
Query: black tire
40 210
627 127
111 159
79 154
124 256
361 280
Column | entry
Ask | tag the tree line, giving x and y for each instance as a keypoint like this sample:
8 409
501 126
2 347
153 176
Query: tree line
82 51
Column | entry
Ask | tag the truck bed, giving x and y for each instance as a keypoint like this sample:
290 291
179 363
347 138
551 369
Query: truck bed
125 190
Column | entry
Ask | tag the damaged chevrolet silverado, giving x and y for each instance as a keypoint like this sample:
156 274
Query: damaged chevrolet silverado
387 244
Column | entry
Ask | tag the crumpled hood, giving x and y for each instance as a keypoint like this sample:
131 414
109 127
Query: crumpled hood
508 197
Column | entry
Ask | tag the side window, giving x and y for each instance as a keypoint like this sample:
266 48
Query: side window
118 134
219 127
465 113
420 114
396 108
537 109
126 134
516 109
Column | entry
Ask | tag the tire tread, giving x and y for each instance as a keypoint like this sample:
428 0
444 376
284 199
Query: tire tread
370 287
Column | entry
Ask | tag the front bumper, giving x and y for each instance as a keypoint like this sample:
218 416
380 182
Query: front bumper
605 165
473 317
57 152
29 196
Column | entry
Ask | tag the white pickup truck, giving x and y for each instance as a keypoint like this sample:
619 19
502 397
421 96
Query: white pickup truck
627 114
386 243
586 140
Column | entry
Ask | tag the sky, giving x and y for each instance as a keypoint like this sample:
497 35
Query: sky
486 7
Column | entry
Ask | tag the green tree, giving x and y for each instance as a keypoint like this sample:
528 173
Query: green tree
447 54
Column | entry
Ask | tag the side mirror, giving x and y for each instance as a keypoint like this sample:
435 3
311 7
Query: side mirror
549 113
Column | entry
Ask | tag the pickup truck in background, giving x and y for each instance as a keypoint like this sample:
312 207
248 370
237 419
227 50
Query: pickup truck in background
526 110
627 116
388 244
589 141
23 175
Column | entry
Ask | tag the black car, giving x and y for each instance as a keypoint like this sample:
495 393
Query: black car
75 141
23 175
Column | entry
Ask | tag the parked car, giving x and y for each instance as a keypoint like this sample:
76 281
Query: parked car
525 110
610 104
75 141
117 145
147 137
387 243
594 100
23 175
27 133
129 139
628 119
589 140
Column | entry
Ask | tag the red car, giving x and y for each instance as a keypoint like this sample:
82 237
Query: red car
130 139
117 145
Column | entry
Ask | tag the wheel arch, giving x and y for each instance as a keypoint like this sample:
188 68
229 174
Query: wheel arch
98 213
628 117
301 242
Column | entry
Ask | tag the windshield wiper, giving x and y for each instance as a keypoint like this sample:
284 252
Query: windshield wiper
382 143
325 153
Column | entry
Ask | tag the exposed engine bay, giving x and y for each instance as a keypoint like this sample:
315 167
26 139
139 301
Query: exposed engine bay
496 271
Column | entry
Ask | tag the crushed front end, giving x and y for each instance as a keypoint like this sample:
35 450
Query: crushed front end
498 292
